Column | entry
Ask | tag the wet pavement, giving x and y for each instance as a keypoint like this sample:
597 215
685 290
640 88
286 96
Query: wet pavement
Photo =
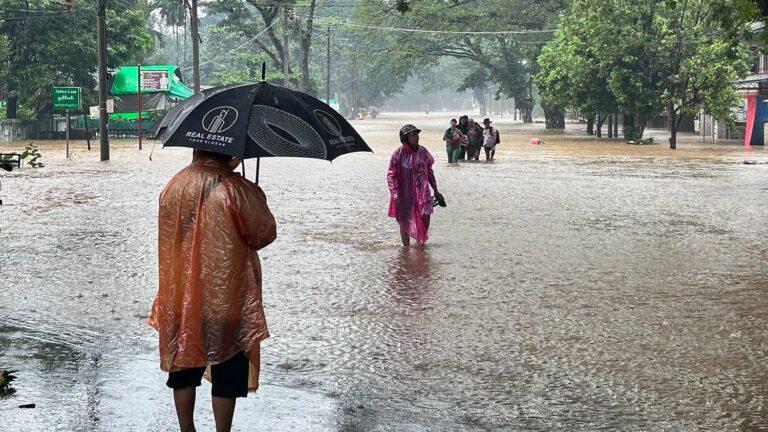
577 285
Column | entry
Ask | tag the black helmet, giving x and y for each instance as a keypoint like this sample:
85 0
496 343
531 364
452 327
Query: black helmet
405 130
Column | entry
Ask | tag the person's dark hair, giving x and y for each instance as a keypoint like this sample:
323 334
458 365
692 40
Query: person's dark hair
453 120
216 157
464 123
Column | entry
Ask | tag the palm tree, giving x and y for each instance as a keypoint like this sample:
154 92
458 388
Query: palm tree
174 13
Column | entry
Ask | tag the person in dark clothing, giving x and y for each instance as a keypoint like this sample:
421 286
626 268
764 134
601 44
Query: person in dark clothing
474 135
463 127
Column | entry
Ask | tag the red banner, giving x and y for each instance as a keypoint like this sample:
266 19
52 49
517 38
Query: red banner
751 111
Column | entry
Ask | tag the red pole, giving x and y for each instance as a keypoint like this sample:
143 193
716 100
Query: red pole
138 91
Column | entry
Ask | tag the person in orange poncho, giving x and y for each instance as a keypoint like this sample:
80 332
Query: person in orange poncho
208 310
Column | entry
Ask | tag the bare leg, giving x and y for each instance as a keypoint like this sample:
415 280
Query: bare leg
425 220
404 236
493 152
223 411
185 408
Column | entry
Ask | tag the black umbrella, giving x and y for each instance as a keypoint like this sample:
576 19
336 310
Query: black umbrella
259 120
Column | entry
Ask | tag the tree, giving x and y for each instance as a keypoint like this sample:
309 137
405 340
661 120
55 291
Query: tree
509 59
174 14
570 74
702 64
372 65
258 22
4 47
477 80
643 57
46 48
747 12
242 65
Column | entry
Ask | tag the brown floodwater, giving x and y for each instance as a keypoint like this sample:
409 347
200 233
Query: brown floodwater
577 285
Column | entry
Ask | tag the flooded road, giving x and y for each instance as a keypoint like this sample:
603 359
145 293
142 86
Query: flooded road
577 285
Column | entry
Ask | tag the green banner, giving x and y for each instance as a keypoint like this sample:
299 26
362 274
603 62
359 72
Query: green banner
66 98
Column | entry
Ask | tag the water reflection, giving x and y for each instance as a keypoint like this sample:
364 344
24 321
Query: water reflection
409 276
52 375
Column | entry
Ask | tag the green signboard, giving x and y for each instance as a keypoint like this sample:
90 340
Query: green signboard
66 98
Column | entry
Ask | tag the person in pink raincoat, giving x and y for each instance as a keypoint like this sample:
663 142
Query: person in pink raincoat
409 178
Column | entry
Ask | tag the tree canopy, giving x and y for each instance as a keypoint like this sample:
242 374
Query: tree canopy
641 58
44 45
502 38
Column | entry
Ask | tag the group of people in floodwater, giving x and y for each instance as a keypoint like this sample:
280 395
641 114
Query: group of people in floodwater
464 140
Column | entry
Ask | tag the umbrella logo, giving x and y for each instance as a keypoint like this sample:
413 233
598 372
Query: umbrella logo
220 119
328 122
281 133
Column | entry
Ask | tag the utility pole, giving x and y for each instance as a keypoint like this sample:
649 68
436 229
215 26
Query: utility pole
530 94
101 28
328 68
138 93
68 122
285 46
195 47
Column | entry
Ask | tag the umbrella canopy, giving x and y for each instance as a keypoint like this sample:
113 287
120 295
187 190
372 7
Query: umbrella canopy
259 120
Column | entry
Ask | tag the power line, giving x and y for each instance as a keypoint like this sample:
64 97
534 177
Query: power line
323 32
317 6
238 48
76 8
379 28
407 30
32 10
126 5
33 17
400 29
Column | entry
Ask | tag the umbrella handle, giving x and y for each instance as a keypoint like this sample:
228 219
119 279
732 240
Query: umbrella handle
258 165
263 76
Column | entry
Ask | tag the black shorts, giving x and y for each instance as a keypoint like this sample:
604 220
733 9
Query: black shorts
229 378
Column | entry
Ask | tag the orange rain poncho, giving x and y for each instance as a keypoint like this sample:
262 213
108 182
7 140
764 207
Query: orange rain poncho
208 306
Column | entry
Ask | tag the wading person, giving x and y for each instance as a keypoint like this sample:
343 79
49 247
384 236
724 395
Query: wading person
474 140
208 310
409 178
464 127
453 138
490 139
